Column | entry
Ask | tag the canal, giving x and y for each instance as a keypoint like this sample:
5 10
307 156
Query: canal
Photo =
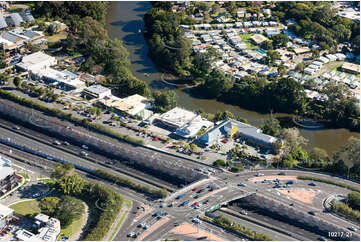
125 19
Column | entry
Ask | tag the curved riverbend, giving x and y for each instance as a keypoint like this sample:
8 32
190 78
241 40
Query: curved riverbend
125 19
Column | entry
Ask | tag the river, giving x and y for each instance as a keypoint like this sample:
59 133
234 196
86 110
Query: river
124 19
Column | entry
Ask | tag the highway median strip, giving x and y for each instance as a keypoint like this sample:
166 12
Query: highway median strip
329 182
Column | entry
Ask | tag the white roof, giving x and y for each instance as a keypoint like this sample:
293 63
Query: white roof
5 211
42 218
38 59
5 168
97 89
177 116
192 128
62 76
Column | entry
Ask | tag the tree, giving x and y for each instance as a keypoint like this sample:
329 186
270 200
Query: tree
293 139
267 45
282 70
61 170
68 210
349 154
280 40
353 200
219 163
315 53
71 185
223 115
300 67
165 100
271 127
48 205
17 81
318 157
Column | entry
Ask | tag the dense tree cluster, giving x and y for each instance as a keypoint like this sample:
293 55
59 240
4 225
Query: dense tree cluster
89 36
67 209
70 207
317 21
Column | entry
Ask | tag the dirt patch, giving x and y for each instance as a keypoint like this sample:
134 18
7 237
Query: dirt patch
189 230
299 194
271 178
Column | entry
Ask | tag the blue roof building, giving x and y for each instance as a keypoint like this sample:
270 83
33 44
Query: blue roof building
252 135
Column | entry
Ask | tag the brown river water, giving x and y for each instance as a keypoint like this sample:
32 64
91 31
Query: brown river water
125 19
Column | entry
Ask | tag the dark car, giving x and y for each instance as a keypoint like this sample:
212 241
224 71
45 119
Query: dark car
312 213
282 173
312 184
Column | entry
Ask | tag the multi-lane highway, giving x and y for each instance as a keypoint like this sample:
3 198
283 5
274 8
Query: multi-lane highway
226 183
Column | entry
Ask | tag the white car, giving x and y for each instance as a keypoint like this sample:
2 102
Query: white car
85 147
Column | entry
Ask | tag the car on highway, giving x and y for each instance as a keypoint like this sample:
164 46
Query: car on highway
66 143
243 212
313 213
198 195
259 174
322 238
282 173
312 184
56 142
185 203
83 153
352 228
16 127
241 185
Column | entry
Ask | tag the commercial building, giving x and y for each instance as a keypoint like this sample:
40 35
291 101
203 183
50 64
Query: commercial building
97 91
65 79
27 16
250 134
300 51
14 19
48 229
191 129
350 68
134 106
176 118
36 62
258 39
6 214
17 38
8 179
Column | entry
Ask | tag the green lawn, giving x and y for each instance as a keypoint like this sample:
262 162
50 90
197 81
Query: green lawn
27 207
245 38
335 67
56 37
72 228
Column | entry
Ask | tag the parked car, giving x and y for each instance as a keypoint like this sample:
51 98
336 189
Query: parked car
85 147
312 184
241 185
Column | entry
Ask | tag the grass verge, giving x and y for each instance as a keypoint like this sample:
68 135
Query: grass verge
329 182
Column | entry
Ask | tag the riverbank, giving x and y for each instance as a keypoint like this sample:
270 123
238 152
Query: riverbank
123 21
